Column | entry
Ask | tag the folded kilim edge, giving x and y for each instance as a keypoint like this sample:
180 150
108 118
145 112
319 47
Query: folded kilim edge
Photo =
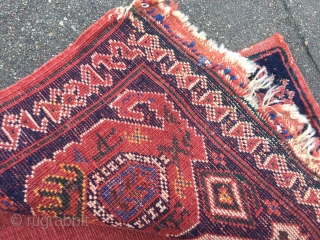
143 123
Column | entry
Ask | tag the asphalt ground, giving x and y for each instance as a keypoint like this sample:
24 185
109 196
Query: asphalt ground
34 31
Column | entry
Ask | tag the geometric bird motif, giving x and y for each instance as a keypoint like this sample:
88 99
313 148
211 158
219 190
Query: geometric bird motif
286 178
215 109
73 94
132 189
152 48
185 77
12 124
11 128
181 70
243 132
128 183
137 24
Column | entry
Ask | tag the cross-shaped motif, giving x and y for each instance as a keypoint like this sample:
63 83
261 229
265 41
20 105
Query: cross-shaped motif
175 149
137 137
180 184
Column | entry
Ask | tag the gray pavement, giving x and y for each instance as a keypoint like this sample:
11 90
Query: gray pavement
33 31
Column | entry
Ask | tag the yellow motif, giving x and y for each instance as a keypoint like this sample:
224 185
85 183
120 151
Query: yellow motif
137 137
180 184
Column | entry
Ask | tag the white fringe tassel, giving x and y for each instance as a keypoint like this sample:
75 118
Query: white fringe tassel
305 142
232 57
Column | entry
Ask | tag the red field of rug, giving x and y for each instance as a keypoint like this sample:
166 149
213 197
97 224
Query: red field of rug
145 126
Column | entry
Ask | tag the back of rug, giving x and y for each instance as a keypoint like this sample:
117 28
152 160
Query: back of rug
144 124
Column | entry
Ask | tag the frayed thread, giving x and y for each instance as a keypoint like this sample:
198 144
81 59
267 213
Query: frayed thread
303 143
233 57
260 81
304 140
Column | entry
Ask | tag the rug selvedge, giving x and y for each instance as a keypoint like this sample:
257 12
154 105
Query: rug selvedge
156 123
275 106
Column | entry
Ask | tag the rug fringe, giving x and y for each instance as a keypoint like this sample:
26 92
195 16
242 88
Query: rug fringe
304 144
232 57
259 82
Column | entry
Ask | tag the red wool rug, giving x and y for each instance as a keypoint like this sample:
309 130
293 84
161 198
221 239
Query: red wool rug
144 124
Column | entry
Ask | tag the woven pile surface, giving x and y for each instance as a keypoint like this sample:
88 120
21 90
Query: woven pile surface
144 124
